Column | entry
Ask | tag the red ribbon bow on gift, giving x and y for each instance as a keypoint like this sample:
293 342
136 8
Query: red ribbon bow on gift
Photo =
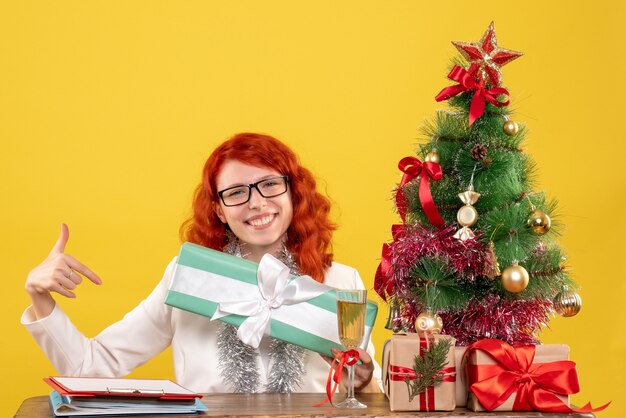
412 167
347 358
536 385
467 82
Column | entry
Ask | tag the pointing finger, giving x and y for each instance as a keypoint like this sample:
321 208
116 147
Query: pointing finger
82 269
59 246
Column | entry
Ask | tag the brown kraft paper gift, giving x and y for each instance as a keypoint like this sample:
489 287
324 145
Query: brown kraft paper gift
399 354
547 353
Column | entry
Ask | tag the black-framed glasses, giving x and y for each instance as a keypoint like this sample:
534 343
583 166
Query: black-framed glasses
238 195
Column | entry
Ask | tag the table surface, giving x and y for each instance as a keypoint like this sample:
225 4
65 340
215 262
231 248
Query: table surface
297 405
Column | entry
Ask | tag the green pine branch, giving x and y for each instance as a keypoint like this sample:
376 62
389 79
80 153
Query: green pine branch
436 285
428 367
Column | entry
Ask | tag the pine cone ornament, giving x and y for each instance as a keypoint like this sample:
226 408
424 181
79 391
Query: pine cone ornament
479 152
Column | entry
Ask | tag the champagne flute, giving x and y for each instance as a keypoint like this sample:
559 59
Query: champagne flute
351 305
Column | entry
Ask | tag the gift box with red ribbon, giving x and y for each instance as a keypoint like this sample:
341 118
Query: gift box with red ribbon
399 374
501 377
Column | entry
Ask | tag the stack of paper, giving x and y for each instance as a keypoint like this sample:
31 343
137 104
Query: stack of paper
101 396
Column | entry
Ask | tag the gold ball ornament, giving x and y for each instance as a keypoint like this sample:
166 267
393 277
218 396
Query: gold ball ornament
567 303
514 278
510 127
539 221
428 322
432 157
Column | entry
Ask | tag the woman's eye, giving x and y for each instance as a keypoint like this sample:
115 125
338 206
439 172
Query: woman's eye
235 193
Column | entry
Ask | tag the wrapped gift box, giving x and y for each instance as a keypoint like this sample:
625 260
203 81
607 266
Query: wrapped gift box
480 365
398 354
461 381
203 278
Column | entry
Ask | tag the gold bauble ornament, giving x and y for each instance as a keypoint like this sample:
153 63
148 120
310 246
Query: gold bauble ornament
428 321
432 157
510 127
567 303
514 278
539 221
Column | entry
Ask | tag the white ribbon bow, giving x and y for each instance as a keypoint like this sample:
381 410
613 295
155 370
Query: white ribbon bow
275 290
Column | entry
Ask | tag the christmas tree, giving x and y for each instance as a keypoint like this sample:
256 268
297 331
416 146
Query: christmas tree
475 256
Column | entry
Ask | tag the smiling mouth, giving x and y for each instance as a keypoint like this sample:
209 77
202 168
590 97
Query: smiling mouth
261 221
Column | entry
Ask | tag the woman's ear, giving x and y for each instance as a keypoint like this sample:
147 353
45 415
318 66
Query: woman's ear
217 208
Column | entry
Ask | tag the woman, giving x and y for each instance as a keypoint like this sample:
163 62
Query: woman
254 199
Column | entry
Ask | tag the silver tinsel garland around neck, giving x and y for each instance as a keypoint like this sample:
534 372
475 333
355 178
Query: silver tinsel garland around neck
239 362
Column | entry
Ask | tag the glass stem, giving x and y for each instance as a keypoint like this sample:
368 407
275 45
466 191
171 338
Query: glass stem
351 381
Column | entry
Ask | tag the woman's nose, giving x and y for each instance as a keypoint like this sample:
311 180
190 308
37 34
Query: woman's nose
256 200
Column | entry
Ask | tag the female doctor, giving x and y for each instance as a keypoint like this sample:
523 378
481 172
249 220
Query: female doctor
254 198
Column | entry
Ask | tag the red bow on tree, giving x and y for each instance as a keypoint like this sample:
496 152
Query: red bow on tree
383 282
412 167
468 82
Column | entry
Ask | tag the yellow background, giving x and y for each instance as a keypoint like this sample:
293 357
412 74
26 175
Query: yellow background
109 109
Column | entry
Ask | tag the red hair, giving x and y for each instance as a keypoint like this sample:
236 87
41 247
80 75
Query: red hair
308 236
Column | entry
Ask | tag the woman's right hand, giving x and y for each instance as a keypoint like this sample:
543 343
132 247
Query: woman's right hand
59 273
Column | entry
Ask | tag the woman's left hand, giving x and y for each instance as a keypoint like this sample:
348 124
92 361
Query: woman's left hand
363 372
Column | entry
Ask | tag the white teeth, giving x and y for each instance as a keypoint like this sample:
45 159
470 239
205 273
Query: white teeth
261 221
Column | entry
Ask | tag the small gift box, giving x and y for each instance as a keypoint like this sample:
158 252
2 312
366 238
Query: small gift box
259 299
501 377
407 371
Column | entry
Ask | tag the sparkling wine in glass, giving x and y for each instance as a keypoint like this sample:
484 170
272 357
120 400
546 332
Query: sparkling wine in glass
351 305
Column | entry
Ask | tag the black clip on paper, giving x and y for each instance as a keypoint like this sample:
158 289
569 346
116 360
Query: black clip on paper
136 391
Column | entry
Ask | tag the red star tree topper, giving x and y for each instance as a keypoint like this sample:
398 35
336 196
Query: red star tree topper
486 56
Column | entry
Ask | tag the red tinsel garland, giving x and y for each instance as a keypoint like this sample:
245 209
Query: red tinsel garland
468 259
494 316
486 316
